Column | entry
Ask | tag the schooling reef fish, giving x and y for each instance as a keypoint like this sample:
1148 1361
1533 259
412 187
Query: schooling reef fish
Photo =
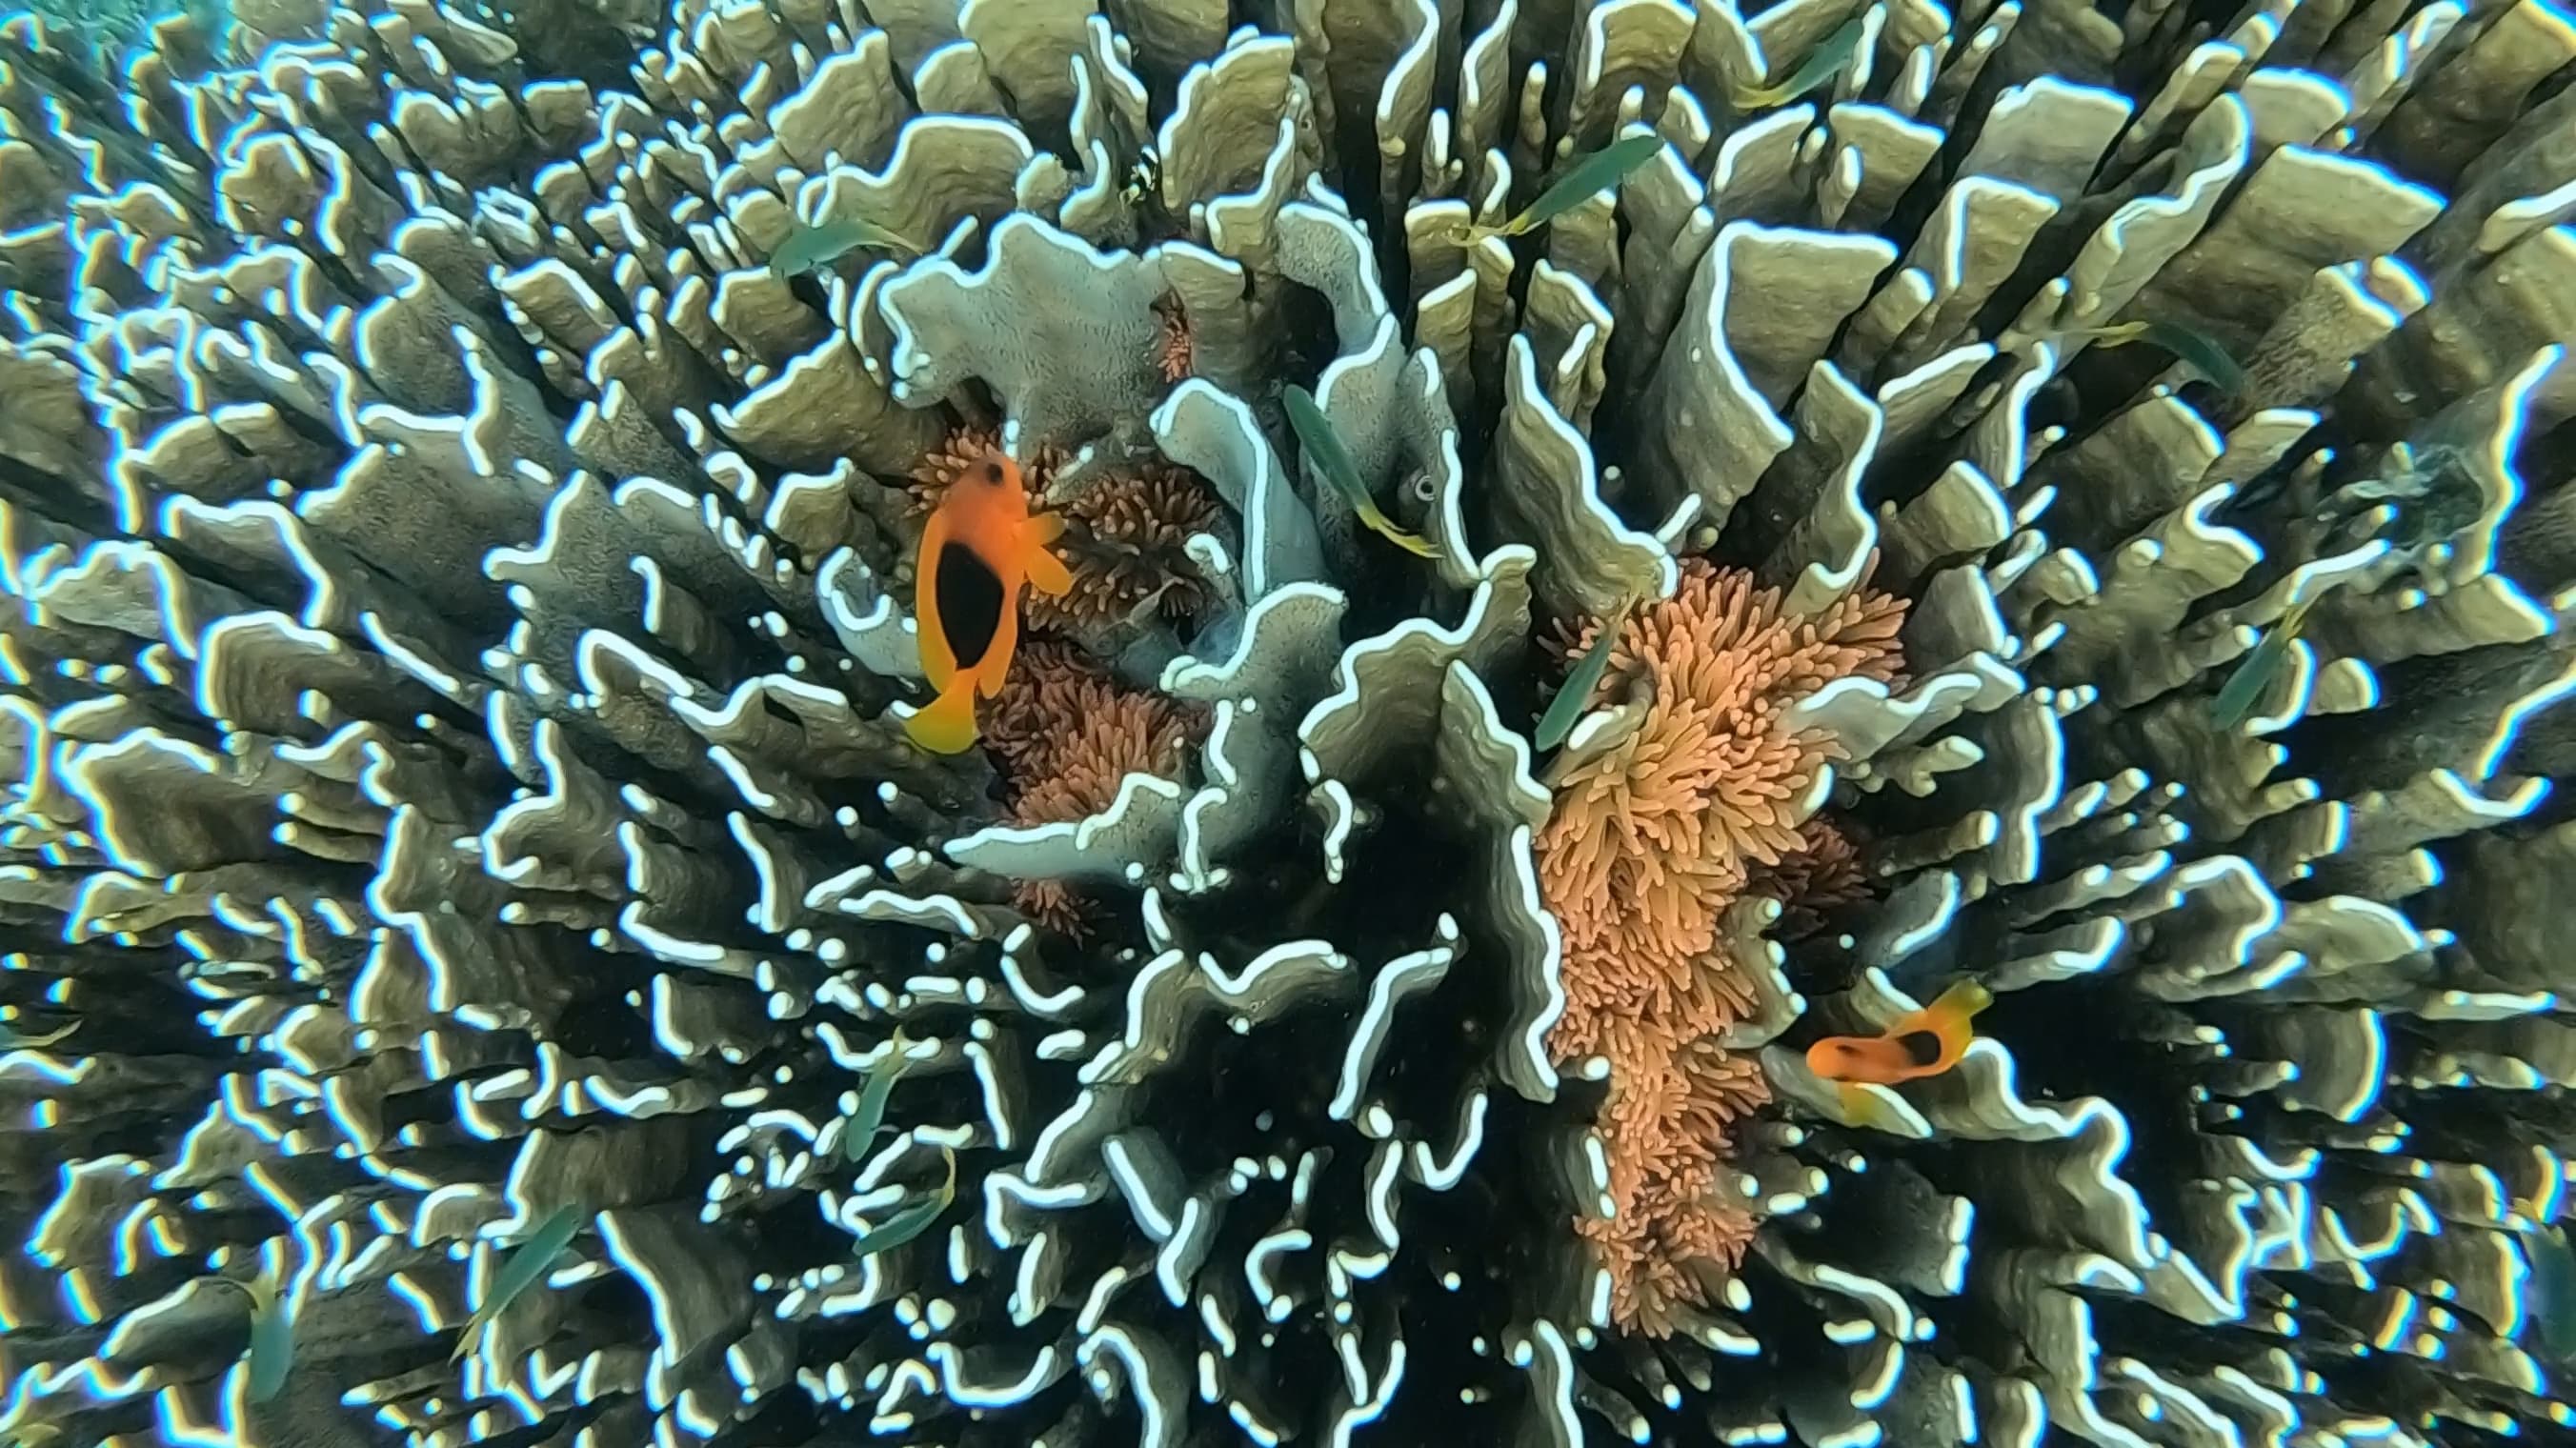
2244 688
913 1220
1923 1043
1821 65
522 1269
1566 709
981 544
272 1339
810 247
2194 349
1600 171
2551 1297
13 1039
1324 448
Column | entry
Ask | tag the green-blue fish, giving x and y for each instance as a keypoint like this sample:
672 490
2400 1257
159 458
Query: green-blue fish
2194 349
872 1100
808 247
525 1268
2552 1303
2244 688
1600 171
1568 705
1324 448
913 1220
271 1352
13 1039
1821 65
272 1340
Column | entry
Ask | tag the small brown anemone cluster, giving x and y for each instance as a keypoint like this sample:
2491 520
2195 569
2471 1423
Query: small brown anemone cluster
1127 545
1651 840
1066 736
1822 876
1178 356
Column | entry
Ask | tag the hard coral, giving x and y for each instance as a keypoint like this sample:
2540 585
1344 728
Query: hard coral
450 770
1650 841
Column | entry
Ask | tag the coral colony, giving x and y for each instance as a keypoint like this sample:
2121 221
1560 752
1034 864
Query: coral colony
1831 726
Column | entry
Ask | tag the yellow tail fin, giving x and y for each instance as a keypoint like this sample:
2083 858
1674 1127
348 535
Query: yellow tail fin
946 725
1862 1109
1963 1001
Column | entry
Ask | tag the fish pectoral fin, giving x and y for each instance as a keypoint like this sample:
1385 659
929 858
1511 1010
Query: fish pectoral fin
1047 574
1045 528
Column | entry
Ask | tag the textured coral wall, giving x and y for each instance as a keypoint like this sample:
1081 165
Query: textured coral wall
458 628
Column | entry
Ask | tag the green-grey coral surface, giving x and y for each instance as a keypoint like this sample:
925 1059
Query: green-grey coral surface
458 635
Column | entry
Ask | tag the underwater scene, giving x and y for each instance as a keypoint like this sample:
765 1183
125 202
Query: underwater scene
1186 723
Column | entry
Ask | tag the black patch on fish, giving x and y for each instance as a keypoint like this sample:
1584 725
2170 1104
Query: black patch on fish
1921 1048
970 603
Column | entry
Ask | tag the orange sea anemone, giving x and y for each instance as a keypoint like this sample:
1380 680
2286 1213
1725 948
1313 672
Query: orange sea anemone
1672 1228
1652 839
1067 736
1119 732
1140 523
1650 842
1045 689
940 469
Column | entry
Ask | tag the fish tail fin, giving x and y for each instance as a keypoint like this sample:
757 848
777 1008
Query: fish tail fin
946 725
1950 1017
1860 1108
1963 1001
467 1336
1387 528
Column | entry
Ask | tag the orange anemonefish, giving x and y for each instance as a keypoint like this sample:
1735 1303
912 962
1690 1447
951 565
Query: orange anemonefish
1923 1043
980 545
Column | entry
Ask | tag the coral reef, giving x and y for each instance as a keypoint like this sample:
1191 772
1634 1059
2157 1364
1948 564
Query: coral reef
457 633
101 30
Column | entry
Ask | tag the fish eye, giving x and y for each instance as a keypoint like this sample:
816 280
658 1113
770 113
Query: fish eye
992 471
